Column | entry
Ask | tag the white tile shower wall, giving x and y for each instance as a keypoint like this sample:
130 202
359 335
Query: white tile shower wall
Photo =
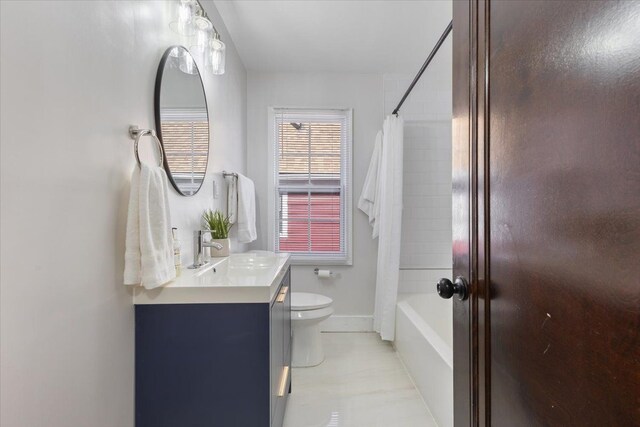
74 75
426 221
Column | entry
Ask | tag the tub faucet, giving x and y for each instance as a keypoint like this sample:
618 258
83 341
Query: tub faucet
198 248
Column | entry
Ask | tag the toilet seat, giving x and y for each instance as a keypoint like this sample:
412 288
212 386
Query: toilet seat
321 313
303 301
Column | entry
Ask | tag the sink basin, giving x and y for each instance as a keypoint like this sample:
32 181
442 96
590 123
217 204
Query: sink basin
209 267
253 260
245 269
237 269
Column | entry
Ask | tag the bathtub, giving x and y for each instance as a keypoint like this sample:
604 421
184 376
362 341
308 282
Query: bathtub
424 336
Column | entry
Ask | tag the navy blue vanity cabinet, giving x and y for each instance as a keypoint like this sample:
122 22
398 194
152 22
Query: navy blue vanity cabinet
280 351
213 365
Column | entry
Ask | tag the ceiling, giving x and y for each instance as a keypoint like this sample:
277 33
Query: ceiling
362 36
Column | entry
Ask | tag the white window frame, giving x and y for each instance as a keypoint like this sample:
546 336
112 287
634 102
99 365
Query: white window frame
346 182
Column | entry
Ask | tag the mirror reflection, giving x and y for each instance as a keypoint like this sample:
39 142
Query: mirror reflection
182 120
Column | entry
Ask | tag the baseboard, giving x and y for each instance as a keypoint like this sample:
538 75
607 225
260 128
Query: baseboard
347 324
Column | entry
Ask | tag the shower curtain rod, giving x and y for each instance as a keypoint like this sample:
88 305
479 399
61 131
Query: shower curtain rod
424 66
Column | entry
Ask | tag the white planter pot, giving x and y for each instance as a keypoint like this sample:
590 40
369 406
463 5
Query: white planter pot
220 252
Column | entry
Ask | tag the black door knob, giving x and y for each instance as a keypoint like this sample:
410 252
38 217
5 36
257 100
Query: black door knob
447 289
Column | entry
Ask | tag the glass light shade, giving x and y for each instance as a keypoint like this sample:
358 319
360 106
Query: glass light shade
187 65
204 32
176 52
217 54
176 59
204 29
187 11
200 55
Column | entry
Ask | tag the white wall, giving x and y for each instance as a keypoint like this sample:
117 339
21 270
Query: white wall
426 251
353 290
74 75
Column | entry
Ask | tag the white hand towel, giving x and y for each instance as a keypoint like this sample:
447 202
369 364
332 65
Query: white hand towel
368 202
232 200
246 210
149 246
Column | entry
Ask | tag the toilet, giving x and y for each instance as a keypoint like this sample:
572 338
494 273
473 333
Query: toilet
307 311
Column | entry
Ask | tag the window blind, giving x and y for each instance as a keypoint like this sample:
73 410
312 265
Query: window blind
185 136
312 165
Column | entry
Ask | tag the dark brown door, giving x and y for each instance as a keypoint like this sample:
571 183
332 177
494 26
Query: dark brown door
547 110
462 216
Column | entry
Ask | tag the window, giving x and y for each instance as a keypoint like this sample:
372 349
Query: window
311 184
185 133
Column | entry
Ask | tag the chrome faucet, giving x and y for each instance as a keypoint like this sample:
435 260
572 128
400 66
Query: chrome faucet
200 244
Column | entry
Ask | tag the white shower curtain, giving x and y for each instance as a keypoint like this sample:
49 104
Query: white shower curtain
390 220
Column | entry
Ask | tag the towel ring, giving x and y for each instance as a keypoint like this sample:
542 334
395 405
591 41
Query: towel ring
136 134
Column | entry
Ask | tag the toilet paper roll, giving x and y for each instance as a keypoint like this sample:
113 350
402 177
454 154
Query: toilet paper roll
324 274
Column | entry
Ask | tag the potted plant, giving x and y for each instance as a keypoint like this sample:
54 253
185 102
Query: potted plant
218 226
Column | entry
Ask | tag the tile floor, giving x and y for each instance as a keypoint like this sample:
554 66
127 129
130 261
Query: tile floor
361 383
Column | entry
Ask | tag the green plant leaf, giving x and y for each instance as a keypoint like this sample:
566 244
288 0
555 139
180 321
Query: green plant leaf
217 224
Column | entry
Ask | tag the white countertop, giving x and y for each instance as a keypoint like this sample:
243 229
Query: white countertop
251 277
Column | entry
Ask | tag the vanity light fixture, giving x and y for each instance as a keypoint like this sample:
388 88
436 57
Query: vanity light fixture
193 21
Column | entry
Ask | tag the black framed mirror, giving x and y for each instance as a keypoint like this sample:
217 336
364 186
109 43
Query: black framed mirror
182 120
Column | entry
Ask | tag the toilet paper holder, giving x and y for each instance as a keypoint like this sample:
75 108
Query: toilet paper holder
323 273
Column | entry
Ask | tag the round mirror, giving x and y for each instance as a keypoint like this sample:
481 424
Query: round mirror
182 120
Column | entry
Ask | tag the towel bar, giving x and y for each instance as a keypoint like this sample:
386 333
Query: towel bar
135 133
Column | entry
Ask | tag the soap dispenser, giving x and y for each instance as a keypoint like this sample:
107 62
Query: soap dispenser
176 251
